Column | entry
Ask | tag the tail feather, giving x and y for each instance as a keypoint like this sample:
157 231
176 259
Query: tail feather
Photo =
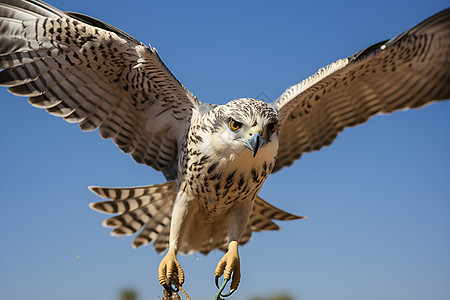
157 230
259 222
261 219
130 222
269 211
209 245
147 207
134 192
161 243
246 236
121 206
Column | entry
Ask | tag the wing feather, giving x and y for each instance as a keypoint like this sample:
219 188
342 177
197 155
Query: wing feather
408 71
89 72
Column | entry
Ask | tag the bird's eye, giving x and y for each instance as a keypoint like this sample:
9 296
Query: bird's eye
235 125
272 127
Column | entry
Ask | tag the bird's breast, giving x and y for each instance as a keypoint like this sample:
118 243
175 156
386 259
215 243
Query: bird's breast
219 188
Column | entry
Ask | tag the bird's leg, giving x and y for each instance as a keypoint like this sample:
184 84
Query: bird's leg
229 264
170 271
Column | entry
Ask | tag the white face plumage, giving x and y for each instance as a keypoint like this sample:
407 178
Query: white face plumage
245 127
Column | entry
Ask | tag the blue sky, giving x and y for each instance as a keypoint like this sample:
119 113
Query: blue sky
377 199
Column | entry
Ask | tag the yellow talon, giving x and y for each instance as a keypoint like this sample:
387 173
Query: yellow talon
229 264
170 271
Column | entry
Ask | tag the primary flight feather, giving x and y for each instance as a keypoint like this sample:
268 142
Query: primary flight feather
215 157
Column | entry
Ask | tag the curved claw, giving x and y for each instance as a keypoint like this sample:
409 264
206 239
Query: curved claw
229 293
217 281
173 285
219 294
170 273
168 288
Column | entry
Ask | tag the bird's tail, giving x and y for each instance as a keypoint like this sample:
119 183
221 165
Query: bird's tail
147 207
262 217
150 208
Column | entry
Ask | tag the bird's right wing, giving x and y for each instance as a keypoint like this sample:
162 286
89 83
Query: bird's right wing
407 71
89 72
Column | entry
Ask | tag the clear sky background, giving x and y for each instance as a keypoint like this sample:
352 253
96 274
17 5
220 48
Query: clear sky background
377 199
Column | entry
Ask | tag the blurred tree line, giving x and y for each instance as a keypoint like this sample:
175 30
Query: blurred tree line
274 297
132 295
128 295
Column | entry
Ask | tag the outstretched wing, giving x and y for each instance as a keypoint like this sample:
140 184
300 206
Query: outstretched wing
91 73
407 71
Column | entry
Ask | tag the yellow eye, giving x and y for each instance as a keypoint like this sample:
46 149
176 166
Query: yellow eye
235 125
272 127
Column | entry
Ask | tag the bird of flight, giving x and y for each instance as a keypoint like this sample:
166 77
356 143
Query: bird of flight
215 157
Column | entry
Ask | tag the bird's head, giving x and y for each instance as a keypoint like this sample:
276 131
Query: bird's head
246 128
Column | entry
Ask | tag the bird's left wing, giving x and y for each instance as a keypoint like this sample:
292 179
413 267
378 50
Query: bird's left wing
89 72
407 71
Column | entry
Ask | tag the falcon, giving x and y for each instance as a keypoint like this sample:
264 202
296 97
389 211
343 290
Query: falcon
215 157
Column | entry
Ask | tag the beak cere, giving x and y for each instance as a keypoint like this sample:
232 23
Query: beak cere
254 143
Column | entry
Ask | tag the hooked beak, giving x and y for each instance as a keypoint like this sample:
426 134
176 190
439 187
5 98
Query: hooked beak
254 143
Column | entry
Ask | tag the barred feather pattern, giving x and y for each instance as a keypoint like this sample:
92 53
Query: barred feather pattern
260 220
149 208
408 71
95 77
